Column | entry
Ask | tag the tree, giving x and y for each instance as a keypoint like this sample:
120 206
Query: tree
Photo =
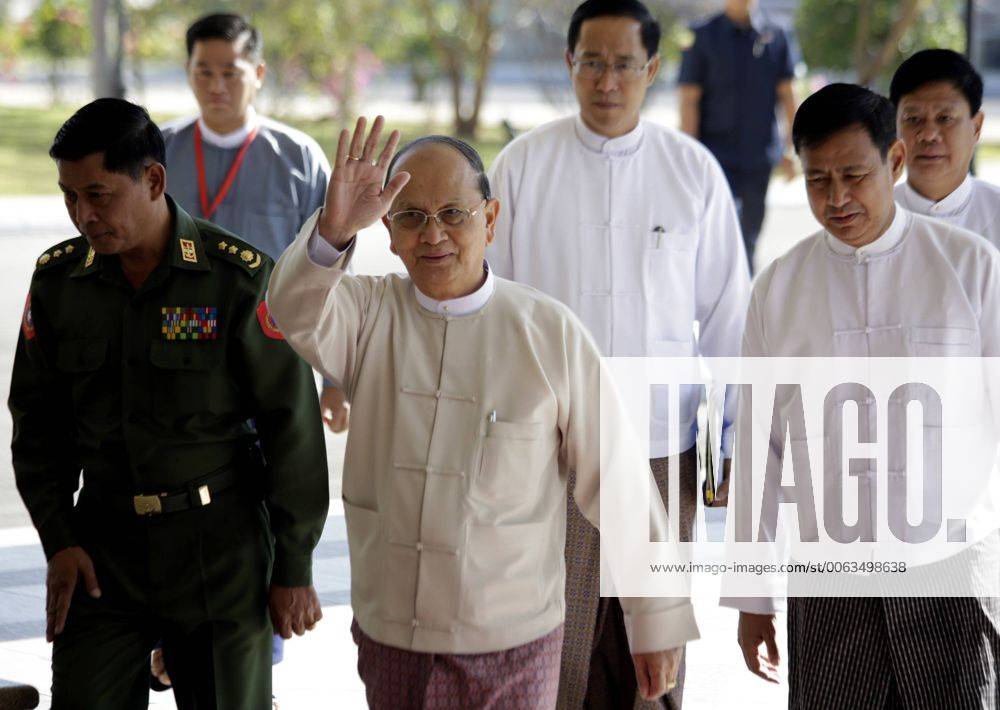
466 35
11 39
57 30
308 44
870 38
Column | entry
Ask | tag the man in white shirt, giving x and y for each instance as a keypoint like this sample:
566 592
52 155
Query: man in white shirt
841 292
472 398
938 96
632 225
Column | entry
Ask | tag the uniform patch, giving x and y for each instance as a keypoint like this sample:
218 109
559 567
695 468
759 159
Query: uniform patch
182 323
90 258
267 323
187 251
27 322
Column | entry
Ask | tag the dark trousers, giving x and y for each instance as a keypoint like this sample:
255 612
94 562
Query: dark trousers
198 580
612 684
749 188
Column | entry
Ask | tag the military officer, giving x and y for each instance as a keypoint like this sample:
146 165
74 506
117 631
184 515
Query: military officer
146 351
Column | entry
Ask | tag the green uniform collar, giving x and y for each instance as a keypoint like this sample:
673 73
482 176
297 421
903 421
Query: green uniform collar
185 251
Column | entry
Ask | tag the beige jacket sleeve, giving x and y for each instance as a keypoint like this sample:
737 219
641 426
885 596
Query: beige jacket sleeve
324 330
652 623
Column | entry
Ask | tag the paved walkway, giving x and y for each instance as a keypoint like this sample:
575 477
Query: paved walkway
319 668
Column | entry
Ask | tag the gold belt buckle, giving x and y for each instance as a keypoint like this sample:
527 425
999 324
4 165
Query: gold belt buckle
147 505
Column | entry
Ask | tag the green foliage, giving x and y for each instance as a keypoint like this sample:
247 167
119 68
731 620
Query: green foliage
58 29
27 133
309 45
827 31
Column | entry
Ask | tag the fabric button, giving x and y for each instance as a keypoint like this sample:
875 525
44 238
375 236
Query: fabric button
868 331
437 395
419 547
416 623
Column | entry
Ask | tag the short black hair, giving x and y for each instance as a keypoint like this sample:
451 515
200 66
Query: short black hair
121 130
933 65
230 27
649 27
467 151
837 107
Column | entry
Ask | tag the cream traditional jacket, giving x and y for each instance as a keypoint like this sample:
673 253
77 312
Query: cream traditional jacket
463 430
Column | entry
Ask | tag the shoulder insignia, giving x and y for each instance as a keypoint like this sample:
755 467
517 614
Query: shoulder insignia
61 253
188 251
267 324
27 322
238 252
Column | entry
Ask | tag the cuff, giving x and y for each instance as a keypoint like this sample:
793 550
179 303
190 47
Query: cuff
321 252
292 570
754 605
660 629
56 535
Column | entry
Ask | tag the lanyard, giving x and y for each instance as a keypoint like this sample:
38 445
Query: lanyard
199 158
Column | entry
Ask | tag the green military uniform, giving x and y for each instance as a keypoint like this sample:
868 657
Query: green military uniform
185 387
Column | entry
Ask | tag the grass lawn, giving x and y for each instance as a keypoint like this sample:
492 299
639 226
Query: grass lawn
27 133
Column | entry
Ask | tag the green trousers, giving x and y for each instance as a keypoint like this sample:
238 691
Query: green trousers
196 579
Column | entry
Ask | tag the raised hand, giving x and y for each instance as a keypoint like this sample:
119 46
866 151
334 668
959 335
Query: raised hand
355 197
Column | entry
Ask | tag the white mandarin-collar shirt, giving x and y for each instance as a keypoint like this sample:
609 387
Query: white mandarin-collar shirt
233 139
637 234
974 205
324 254
923 288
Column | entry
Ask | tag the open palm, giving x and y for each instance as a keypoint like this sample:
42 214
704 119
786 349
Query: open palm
355 197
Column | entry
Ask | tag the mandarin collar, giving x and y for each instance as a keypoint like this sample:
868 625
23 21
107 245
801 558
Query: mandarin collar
464 305
952 203
229 140
613 147
886 241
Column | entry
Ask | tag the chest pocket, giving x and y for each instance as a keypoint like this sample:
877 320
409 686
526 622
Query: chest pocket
82 362
184 356
77 356
186 377
668 274
943 342
514 456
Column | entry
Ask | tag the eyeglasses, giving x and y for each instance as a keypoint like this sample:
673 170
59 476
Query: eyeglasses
413 220
595 68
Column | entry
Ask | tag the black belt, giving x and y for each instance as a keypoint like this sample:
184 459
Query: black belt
196 494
